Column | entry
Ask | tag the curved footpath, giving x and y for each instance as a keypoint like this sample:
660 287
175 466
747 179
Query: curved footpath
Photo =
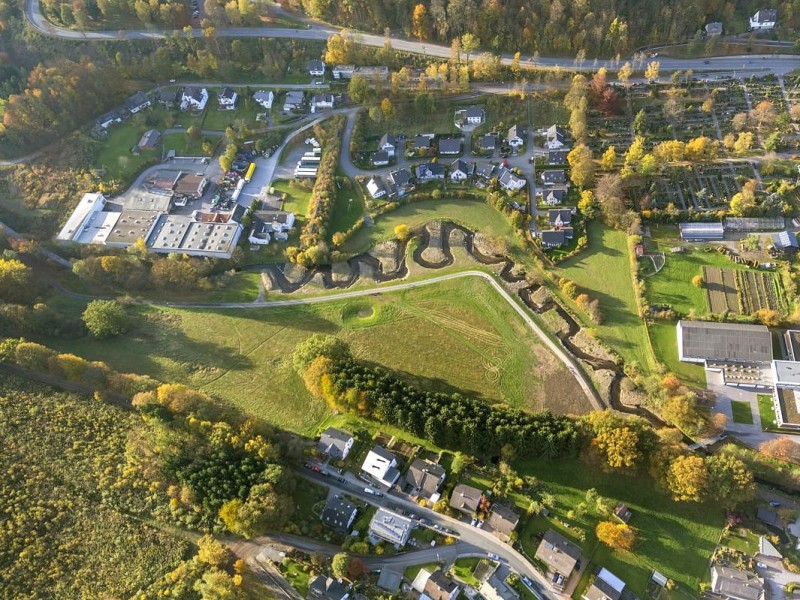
563 356
745 64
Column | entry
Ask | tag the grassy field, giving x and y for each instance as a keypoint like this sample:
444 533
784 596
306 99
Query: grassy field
296 196
603 271
348 209
672 285
183 146
473 214
246 108
458 335
741 412
665 344
463 569
675 538
116 158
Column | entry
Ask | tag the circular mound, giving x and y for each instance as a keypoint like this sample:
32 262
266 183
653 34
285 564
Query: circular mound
360 313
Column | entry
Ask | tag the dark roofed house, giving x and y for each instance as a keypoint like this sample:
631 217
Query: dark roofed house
450 146
336 443
380 158
622 512
785 241
326 588
150 140
488 142
388 143
440 587
736 584
316 68
559 217
503 521
562 558
475 115
486 171
465 498
168 97
423 142
764 19
460 170
701 341
339 514
554 196
137 102
425 477
517 135
553 238
557 137
557 157
429 172
401 177
226 98
770 517
554 177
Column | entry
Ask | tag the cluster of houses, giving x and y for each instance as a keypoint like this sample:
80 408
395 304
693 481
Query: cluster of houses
561 231
402 181
135 104
764 19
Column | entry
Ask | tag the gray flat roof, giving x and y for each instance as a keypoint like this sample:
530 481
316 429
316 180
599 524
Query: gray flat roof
786 372
132 225
169 233
724 341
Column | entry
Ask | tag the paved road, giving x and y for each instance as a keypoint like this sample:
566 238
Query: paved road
471 537
777 64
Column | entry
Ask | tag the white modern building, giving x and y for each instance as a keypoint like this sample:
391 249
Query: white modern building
79 220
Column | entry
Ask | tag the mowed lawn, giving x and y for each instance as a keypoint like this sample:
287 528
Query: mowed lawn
453 336
741 412
675 538
472 214
603 271
115 156
665 344
672 285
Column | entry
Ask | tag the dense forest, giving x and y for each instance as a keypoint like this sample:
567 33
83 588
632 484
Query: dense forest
598 27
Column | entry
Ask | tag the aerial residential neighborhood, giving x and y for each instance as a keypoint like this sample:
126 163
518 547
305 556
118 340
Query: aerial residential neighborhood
374 300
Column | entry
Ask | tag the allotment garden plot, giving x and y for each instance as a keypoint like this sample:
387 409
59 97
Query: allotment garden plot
701 188
743 292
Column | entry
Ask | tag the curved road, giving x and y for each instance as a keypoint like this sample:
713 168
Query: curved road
746 64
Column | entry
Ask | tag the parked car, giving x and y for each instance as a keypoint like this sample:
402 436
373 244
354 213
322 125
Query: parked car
775 504
492 556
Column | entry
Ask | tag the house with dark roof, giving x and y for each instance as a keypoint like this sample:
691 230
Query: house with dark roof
429 172
510 181
557 157
764 19
450 146
424 478
339 514
475 115
770 518
377 188
606 586
554 177
422 142
150 140
316 68
465 498
388 144
561 557
139 101
486 171
321 102
440 587
380 158
503 521
459 171
265 98
517 134
194 98
402 178
336 443
294 100
736 584
488 142
326 588
553 238
381 466
110 118
226 98
554 196
168 97
559 217
785 241
493 588
622 512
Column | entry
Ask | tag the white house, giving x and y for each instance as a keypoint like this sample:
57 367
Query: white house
388 144
516 136
459 171
109 118
139 101
260 234
381 465
376 188
293 100
336 443
194 98
510 181
86 210
321 102
475 115
554 197
264 98
556 137
227 98
316 68
380 158
764 19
